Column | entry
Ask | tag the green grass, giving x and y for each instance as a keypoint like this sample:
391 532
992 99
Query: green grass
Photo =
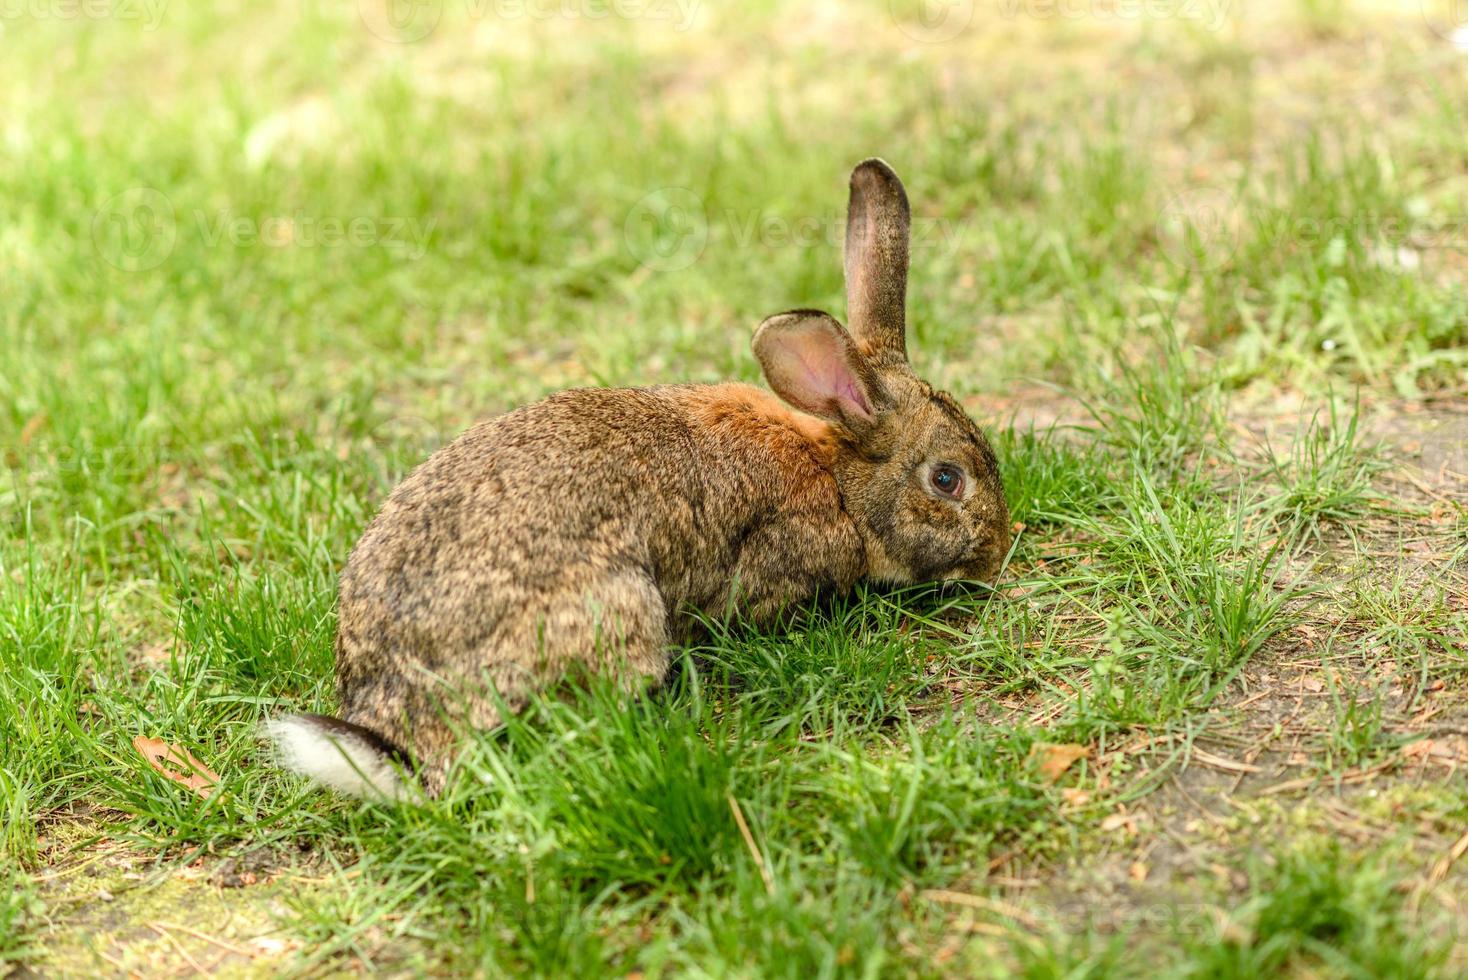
255 263
18 910
1321 908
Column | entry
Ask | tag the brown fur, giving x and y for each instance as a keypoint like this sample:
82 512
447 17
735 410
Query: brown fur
582 531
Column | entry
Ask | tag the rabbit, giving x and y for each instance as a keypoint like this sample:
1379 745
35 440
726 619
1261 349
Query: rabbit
589 531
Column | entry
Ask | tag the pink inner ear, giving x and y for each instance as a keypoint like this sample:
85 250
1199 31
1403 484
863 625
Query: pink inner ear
848 388
827 375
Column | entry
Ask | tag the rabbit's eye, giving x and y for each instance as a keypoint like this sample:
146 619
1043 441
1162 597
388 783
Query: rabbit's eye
947 480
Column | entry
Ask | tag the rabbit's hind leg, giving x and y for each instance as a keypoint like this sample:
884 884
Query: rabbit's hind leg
619 629
609 622
615 625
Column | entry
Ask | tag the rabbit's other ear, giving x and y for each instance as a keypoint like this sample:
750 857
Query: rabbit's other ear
811 362
878 225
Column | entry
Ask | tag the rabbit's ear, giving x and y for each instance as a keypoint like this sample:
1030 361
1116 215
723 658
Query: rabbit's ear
811 362
878 225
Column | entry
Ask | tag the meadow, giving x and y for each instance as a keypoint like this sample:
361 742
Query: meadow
1201 269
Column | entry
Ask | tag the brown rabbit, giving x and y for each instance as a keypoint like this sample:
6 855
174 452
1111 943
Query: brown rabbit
582 531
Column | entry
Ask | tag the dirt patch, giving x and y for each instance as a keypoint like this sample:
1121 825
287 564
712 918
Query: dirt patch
113 911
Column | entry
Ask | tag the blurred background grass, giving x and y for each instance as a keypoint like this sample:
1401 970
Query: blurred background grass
365 225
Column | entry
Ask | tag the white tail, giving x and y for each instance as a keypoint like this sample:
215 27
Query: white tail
338 754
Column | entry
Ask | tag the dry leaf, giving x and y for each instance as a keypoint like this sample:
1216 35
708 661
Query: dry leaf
1442 751
1075 797
1055 759
1312 684
31 427
1138 871
1219 762
177 764
1418 749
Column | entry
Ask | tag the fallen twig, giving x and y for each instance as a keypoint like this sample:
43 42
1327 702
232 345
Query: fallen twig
971 901
1444 864
1305 782
188 957
1219 762
759 859
221 943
